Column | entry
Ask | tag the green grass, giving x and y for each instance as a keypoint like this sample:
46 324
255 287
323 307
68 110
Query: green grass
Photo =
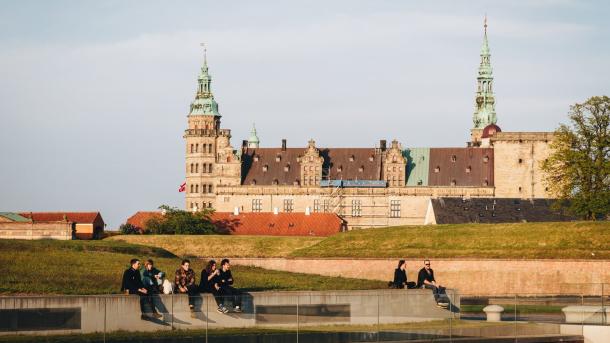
218 245
581 240
567 240
96 267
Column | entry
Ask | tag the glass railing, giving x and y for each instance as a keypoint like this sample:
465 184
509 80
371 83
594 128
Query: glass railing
328 316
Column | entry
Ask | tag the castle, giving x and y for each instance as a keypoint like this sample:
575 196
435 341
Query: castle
367 187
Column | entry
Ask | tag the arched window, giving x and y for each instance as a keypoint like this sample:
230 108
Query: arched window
210 168
192 168
209 148
191 148
196 167
209 188
196 188
191 189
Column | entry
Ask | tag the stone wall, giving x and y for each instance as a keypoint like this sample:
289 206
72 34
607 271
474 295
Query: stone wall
36 230
469 276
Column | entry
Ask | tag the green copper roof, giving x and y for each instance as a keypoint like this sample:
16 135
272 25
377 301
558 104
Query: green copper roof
253 137
418 165
204 103
485 102
14 217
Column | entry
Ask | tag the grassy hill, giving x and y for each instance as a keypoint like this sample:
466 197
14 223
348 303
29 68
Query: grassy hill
221 245
96 267
582 240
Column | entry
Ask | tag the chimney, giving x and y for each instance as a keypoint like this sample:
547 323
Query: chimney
276 210
382 145
307 211
284 144
236 211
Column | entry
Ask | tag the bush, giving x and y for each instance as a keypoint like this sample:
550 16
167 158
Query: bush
128 229
180 222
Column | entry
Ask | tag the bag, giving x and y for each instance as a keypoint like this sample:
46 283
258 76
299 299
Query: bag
167 286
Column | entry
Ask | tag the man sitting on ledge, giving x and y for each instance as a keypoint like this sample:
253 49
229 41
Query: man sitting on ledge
425 279
185 283
132 284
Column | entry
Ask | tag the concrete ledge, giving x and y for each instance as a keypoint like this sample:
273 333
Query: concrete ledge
122 312
586 314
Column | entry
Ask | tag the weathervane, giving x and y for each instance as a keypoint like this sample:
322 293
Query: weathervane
485 23
205 53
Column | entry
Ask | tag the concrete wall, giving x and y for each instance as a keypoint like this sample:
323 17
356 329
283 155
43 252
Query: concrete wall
470 277
122 312
37 230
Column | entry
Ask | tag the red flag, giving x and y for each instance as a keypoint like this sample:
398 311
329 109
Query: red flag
182 187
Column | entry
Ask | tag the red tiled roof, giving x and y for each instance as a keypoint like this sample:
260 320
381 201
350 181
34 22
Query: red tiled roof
139 219
281 224
75 217
264 223
262 167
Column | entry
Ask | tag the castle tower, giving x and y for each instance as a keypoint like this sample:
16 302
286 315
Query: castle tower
253 141
210 159
485 102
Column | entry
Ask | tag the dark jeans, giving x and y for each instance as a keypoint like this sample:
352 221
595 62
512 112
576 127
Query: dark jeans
233 294
192 293
146 303
439 293
217 296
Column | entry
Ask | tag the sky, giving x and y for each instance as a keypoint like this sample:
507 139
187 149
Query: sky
94 94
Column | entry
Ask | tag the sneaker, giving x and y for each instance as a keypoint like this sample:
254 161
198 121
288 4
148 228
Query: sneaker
225 310
157 315
237 309
220 309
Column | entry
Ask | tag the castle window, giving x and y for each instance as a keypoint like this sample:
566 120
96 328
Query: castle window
420 182
288 205
278 158
423 158
192 168
468 169
209 148
209 204
339 169
197 147
325 205
192 187
257 205
546 189
520 161
371 158
351 158
437 169
210 168
191 148
356 208
297 182
485 159
205 168
265 168
453 158
453 182
287 168
275 181
209 188
253 182
485 183
394 208
255 158
519 189
196 188
316 205
361 169
197 168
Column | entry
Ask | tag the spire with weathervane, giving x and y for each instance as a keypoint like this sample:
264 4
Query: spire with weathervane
485 102
253 141
204 103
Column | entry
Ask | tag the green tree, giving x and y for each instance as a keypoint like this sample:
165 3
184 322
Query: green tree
128 229
180 222
578 170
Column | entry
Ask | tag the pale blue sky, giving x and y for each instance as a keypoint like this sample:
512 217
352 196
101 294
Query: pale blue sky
94 95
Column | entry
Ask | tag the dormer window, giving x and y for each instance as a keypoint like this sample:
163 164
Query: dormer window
255 158
420 182
485 159
339 169
278 158
287 168
265 168
351 158
361 169
275 181
486 183
393 158
371 158
468 169
437 169
453 182
453 158
253 182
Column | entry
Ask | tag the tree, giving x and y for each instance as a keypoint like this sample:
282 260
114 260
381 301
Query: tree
128 229
176 221
578 170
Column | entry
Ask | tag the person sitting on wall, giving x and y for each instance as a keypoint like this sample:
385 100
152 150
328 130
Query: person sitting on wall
425 279
185 283
210 283
400 277
226 285
132 284
152 278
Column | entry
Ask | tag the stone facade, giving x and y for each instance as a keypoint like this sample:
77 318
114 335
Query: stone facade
367 187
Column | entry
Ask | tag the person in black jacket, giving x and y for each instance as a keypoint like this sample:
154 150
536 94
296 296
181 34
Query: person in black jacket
425 279
400 276
226 285
132 284
210 283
